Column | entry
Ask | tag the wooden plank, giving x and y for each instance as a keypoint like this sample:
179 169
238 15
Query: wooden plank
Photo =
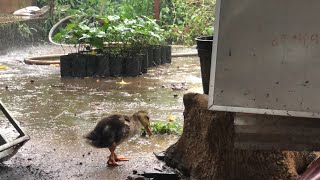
252 145
103 68
267 132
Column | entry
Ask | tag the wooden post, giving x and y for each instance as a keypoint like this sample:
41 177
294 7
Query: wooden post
103 5
157 9
51 6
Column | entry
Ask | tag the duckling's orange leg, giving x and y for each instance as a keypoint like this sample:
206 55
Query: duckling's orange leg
112 160
121 158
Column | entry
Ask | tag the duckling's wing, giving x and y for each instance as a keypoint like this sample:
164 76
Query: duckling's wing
120 130
115 132
108 131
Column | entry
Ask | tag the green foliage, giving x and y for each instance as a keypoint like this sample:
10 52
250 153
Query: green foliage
96 31
41 3
184 20
133 8
166 128
25 31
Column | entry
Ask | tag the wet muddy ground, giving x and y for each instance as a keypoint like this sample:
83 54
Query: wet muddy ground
56 113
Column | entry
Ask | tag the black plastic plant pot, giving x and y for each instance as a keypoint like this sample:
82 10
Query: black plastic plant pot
66 65
103 66
163 54
204 46
145 61
168 54
156 55
116 66
92 65
79 64
133 65
150 56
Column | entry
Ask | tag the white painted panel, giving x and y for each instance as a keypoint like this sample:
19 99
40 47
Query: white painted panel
266 57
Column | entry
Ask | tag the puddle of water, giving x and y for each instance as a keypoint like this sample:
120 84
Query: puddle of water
44 102
59 111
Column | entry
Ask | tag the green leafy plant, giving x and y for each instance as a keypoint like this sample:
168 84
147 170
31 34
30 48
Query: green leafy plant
117 31
25 31
184 20
166 128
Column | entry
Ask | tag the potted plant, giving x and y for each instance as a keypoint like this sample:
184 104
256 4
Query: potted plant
115 43
204 46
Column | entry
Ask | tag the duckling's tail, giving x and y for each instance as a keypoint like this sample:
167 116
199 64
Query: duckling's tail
92 138
99 141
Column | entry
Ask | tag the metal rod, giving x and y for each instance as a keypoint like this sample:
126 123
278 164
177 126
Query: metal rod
14 143
11 119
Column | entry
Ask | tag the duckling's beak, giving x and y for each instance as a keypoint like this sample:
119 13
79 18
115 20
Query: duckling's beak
148 129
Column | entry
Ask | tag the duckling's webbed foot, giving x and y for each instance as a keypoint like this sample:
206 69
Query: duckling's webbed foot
112 157
120 158
112 162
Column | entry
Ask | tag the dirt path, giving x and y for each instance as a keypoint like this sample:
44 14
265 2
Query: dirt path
44 160
56 113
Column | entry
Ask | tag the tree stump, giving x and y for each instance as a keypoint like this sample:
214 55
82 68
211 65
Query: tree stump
205 149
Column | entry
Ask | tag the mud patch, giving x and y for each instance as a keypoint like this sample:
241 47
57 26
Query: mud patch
44 160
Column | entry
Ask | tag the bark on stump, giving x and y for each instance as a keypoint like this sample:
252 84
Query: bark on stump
205 149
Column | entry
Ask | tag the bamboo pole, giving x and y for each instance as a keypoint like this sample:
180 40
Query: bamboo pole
103 5
51 7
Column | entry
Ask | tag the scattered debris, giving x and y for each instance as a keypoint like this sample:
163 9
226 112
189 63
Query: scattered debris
2 67
170 118
32 11
160 155
122 82
57 86
180 86
55 65
162 176
135 177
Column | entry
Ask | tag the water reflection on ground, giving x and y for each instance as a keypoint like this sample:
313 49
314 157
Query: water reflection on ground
57 112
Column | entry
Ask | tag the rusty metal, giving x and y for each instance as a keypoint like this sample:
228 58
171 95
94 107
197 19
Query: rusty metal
10 148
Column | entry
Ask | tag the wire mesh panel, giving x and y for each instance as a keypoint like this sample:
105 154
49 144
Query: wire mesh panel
12 136
266 57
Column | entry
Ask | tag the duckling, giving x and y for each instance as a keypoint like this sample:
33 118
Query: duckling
113 130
